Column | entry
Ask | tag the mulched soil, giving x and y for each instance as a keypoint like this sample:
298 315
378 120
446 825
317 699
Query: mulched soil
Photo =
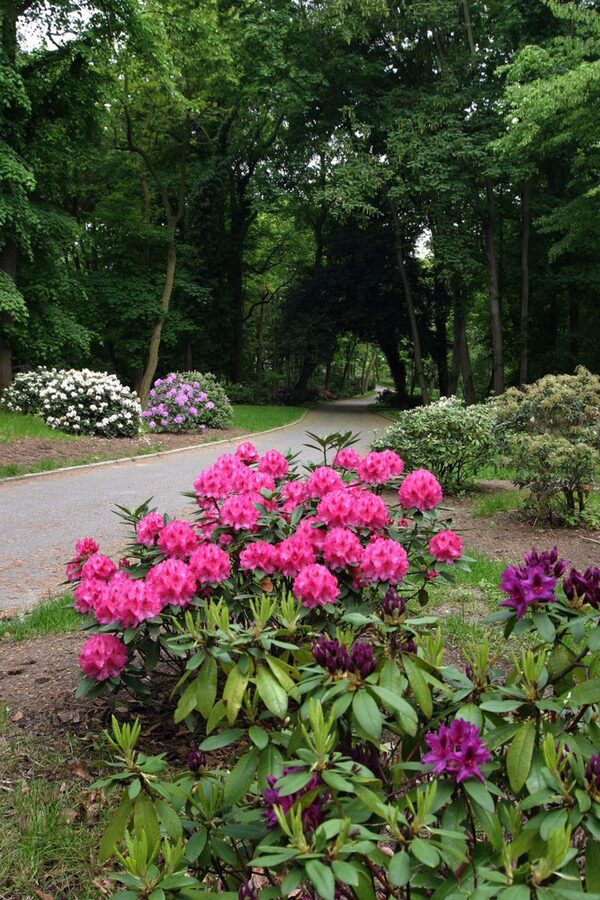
508 535
29 450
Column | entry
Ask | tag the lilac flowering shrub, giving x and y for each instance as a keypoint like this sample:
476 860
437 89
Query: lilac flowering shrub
337 751
187 402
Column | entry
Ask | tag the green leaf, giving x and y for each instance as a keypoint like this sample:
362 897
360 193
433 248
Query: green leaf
271 693
116 829
592 867
258 736
206 687
196 845
367 714
399 869
594 640
223 739
585 693
280 673
545 628
425 852
169 820
233 692
187 703
321 878
419 686
345 872
478 792
145 819
406 714
240 778
518 758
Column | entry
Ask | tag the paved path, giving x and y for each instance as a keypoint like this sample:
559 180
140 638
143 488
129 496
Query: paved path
41 518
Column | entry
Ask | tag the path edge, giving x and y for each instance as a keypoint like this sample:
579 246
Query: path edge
122 459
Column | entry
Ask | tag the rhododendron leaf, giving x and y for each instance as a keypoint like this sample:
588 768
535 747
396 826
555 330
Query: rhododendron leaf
258 736
406 714
425 852
116 828
321 878
169 820
145 819
545 628
233 692
418 685
479 793
271 693
223 739
501 735
586 693
367 714
187 703
281 672
196 845
337 781
345 872
592 866
399 869
240 778
270 763
518 758
206 687
294 782
341 704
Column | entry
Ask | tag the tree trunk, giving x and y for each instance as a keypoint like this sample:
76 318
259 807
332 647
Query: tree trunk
153 348
410 308
493 290
525 230
8 264
308 367
188 360
461 358
369 371
347 364
396 366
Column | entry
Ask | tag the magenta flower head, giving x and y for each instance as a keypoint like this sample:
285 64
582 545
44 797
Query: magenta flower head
457 749
364 661
592 776
534 582
332 655
583 587
311 815
393 605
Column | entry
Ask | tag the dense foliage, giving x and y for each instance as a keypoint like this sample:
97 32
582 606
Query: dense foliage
359 761
182 403
76 401
550 434
448 437
248 210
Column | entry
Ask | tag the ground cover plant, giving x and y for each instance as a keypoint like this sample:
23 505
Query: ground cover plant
338 754
550 433
448 437
76 401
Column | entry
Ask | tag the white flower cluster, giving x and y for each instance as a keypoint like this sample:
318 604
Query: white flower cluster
80 401
23 395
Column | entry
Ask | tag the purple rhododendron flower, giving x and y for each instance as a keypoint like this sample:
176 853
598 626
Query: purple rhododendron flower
457 749
335 657
583 587
533 582
311 816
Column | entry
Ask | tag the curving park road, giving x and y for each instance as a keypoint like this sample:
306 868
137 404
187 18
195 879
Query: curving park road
42 517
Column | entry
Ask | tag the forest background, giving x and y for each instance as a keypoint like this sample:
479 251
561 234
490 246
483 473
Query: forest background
295 193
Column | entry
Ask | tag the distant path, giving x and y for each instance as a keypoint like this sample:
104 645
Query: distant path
41 518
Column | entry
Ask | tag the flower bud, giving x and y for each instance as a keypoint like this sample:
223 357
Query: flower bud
592 776
363 659
247 891
393 605
196 760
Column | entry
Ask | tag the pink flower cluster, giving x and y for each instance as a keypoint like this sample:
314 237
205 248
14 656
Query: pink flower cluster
332 534
103 656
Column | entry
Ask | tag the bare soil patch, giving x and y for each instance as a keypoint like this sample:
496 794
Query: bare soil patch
507 535
28 451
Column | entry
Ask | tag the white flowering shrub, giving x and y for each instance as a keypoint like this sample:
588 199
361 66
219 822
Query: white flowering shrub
23 395
86 402
448 437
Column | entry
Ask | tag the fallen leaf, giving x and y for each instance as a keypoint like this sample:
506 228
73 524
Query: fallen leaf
79 769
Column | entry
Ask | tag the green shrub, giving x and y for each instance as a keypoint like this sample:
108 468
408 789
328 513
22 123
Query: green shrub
448 437
221 415
550 433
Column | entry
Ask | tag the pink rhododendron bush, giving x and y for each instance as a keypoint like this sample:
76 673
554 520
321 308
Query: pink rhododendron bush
338 753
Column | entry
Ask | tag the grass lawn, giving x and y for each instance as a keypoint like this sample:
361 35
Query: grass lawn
49 617
15 426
